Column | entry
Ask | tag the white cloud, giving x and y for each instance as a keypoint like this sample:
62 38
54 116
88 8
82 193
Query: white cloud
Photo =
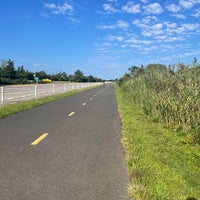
50 5
122 24
115 1
173 28
170 30
170 25
107 44
178 30
153 8
161 38
130 7
144 1
151 48
145 22
153 30
109 8
115 38
133 40
190 26
139 23
119 24
192 53
174 39
173 8
46 15
196 1
74 20
59 9
196 13
64 8
103 26
180 16
149 30
149 27
167 31
187 4
150 20
157 26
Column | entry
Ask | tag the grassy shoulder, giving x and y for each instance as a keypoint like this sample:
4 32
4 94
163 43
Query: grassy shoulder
10 109
162 165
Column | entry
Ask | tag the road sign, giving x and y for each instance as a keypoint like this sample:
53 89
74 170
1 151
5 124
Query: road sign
36 79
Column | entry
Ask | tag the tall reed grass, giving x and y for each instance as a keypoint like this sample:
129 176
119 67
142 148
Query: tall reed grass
168 95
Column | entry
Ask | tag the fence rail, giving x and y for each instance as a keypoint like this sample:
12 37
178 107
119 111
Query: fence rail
9 94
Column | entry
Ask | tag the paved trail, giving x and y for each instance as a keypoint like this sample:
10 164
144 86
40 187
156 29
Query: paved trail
79 156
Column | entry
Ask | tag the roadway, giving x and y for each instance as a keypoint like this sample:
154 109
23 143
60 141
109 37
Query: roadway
14 93
69 149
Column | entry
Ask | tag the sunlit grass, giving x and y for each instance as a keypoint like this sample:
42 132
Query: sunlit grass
162 166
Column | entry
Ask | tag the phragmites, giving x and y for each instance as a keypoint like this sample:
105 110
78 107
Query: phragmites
170 95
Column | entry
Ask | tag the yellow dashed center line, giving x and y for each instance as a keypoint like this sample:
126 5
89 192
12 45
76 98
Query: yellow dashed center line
83 104
72 113
39 139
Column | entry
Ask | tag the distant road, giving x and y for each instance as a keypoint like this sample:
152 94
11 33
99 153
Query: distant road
14 93
69 149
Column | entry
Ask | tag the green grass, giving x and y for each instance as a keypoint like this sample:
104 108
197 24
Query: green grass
162 163
10 109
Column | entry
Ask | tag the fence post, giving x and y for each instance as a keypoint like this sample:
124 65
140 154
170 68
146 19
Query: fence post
53 88
36 90
2 95
64 87
72 86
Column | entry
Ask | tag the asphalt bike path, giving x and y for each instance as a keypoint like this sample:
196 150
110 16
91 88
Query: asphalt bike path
69 149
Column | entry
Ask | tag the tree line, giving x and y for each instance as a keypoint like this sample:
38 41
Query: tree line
10 75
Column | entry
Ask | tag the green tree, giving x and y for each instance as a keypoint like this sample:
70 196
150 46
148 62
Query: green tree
91 79
29 75
61 76
42 74
8 69
79 76
22 76
71 78
21 73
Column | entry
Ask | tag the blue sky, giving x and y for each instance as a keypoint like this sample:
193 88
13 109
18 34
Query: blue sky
102 38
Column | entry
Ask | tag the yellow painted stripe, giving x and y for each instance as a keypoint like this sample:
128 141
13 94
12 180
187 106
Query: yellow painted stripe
39 139
83 104
72 113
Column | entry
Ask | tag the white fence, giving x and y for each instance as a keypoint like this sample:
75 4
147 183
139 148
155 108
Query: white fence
9 94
